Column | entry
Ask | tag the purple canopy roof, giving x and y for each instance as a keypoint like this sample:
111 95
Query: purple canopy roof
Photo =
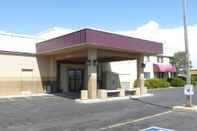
100 39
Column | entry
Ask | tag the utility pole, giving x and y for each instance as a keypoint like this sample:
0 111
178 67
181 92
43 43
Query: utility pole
188 97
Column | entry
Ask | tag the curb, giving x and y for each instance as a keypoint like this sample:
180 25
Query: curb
185 109
93 101
24 96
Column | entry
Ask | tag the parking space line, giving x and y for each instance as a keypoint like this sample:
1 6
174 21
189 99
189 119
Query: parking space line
134 121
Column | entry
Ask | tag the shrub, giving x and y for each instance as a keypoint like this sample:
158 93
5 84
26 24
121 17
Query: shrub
154 83
194 83
194 80
176 82
135 83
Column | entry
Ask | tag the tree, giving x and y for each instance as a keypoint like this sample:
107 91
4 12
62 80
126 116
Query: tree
179 60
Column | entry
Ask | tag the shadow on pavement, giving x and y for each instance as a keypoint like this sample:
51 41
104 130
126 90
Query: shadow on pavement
152 104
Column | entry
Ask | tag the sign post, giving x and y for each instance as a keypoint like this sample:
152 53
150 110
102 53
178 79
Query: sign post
188 91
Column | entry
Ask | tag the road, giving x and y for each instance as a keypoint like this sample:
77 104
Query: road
55 113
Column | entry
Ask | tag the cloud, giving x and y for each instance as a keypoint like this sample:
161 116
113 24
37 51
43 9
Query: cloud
53 32
172 38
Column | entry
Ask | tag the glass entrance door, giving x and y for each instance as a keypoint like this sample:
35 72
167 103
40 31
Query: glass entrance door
75 80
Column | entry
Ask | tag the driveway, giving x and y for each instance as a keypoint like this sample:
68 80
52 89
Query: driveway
56 113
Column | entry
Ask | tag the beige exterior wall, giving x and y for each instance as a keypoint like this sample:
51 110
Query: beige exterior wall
23 74
127 70
194 72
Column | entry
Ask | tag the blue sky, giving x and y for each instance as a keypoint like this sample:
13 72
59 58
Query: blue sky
33 16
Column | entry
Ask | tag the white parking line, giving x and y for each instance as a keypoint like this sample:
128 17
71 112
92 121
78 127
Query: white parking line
134 121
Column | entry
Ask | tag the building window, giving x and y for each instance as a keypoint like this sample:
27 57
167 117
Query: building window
148 58
26 70
160 59
173 74
147 75
161 75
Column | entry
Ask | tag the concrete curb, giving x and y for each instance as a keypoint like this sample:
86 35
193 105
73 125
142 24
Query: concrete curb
24 96
164 88
92 101
185 109
167 88
146 95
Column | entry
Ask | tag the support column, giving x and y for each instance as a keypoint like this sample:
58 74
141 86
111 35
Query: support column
52 68
140 75
52 73
92 73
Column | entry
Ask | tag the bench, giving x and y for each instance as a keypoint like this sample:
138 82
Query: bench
136 91
103 93
120 92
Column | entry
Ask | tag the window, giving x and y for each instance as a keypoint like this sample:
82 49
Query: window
147 75
161 75
26 70
147 59
160 59
173 74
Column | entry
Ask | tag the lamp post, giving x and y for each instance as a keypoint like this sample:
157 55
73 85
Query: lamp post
188 96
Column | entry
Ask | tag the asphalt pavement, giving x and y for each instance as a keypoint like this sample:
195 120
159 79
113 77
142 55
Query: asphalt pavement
56 113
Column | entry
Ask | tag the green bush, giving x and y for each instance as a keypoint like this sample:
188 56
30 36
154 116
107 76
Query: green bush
194 80
176 82
194 83
194 77
135 83
155 83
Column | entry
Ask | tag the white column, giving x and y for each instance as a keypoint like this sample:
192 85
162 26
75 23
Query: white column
140 75
92 73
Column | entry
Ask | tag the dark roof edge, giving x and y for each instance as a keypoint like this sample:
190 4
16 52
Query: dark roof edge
85 30
114 33
17 53
43 42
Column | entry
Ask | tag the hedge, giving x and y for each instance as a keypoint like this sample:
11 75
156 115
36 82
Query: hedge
194 83
176 82
155 83
163 83
194 80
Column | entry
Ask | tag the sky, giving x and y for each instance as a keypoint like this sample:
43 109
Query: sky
158 20
33 16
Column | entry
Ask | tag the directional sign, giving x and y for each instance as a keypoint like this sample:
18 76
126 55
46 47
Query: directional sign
156 129
189 90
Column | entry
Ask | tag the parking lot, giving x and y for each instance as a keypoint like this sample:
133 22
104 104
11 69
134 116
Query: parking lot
179 121
56 113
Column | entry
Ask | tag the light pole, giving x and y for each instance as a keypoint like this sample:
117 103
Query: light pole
188 97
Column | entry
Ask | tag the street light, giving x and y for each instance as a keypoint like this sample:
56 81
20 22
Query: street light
188 96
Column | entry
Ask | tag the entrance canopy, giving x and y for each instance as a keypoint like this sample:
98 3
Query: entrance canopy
91 47
103 41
